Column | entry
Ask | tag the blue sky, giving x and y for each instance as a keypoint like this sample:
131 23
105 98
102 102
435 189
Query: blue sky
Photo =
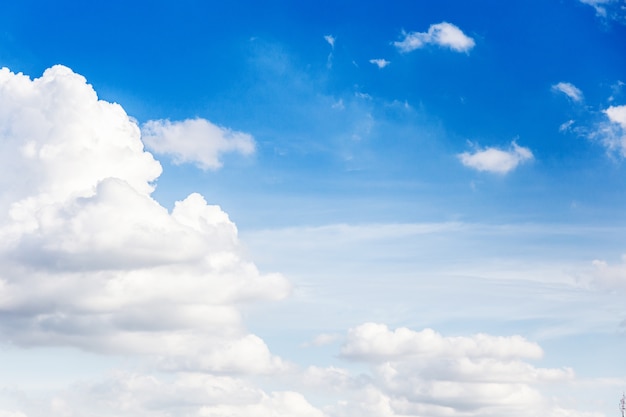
312 209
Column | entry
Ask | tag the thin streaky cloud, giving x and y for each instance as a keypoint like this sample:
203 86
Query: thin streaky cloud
569 89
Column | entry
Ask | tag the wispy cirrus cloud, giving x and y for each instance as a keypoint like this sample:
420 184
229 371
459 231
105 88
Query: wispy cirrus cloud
496 160
443 34
569 89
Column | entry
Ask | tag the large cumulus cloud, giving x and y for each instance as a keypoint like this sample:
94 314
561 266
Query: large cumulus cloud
89 259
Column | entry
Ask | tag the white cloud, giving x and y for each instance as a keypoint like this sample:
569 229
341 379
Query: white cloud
380 63
130 394
598 5
569 90
376 343
612 132
496 160
330 39
87 257
617 114
195 140
565 126
425 373
443 34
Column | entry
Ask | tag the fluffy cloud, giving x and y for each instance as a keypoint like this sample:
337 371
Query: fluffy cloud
443 34
376 343
195 140
89 259
569 90
617 114
380 63
425 373
611 132
131 394
496 160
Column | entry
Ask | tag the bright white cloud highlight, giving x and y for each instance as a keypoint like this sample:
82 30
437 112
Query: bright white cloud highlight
330 39
442 34
87 257
380 63
569 90
195 140
612 131
617 114
496 160
426 373
375 342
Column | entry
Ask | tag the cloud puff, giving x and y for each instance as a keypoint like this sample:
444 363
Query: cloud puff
443 34
569 90
425 373
617 114
611 132
380 63
496 160
330 39
375 342
89 259
195 140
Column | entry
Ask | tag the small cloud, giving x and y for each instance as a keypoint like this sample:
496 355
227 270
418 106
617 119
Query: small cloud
570 90
195 140
496 160
380 63
566 126
612 132
331 40
617 114
443 34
